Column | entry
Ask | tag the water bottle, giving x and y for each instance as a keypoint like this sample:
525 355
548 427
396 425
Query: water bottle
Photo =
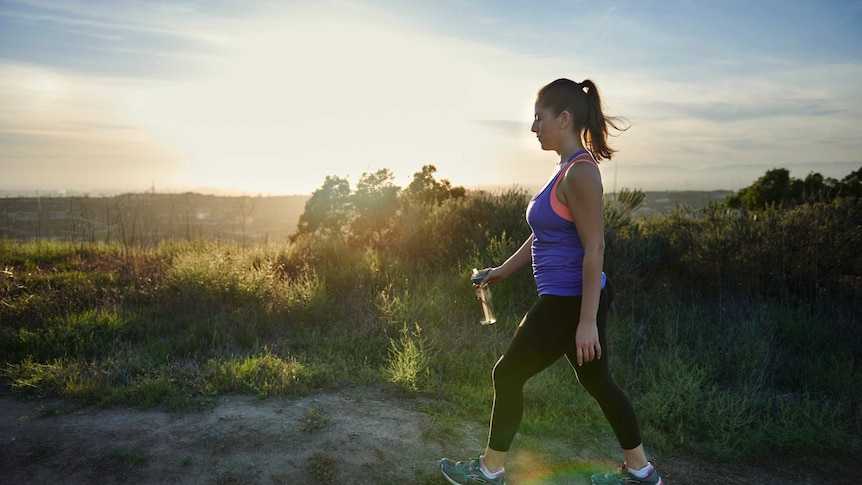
483 294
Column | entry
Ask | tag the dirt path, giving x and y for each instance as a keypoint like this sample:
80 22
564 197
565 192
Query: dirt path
350 437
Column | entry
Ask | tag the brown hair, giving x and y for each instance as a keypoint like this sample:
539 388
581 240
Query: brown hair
583 102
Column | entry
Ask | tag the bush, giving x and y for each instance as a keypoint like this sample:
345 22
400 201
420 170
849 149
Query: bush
440 236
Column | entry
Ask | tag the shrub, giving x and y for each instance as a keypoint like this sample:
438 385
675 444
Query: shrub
407 365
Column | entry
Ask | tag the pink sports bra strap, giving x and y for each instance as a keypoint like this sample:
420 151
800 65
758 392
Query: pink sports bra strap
558 207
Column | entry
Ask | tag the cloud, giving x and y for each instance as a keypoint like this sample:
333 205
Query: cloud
62 129
120 39
723 112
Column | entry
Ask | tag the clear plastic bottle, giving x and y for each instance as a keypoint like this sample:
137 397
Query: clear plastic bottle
483 294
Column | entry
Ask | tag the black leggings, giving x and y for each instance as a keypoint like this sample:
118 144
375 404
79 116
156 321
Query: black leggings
545 334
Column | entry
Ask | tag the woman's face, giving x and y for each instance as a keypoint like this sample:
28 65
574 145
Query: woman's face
547 128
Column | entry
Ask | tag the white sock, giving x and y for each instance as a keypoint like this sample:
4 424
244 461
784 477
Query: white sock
643 472
485 469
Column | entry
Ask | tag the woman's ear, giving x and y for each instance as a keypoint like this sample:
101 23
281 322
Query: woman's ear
565 119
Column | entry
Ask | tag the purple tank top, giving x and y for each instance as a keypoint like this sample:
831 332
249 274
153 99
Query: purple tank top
558 254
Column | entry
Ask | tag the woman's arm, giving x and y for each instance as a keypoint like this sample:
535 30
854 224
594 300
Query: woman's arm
520 258
581 190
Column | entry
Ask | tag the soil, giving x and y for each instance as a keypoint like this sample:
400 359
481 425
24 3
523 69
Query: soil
355 436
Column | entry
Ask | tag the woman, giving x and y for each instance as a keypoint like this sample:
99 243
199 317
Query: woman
566 248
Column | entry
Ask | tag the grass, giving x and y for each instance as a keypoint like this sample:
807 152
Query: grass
314 420
180 323
407 366
322 467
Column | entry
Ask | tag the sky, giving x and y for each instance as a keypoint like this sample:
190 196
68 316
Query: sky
270 97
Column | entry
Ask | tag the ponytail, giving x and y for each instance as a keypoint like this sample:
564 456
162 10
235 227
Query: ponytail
582 100
596 124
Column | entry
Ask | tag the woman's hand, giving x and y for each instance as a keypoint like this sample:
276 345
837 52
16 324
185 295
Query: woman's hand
494 275
587 340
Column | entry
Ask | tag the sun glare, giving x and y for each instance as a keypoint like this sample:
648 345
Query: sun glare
289 104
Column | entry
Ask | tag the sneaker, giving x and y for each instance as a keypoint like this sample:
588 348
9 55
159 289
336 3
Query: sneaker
623 477
466 472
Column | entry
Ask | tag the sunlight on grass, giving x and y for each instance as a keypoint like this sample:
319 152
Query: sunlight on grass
407 365
71 378
263 375
226 275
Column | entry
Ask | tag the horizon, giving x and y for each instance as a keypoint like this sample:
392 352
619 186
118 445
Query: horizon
265 97
745 177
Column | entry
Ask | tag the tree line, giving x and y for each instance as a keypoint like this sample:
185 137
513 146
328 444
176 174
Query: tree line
776 188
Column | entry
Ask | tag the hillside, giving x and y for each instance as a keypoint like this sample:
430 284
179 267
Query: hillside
148 218
656 203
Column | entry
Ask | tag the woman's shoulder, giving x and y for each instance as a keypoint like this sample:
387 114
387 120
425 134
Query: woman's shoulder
580 179
583 170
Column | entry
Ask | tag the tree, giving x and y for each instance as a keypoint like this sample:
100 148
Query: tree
328 209
425 190
771 189
368 214
851 185
375 203
814 187
777 189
